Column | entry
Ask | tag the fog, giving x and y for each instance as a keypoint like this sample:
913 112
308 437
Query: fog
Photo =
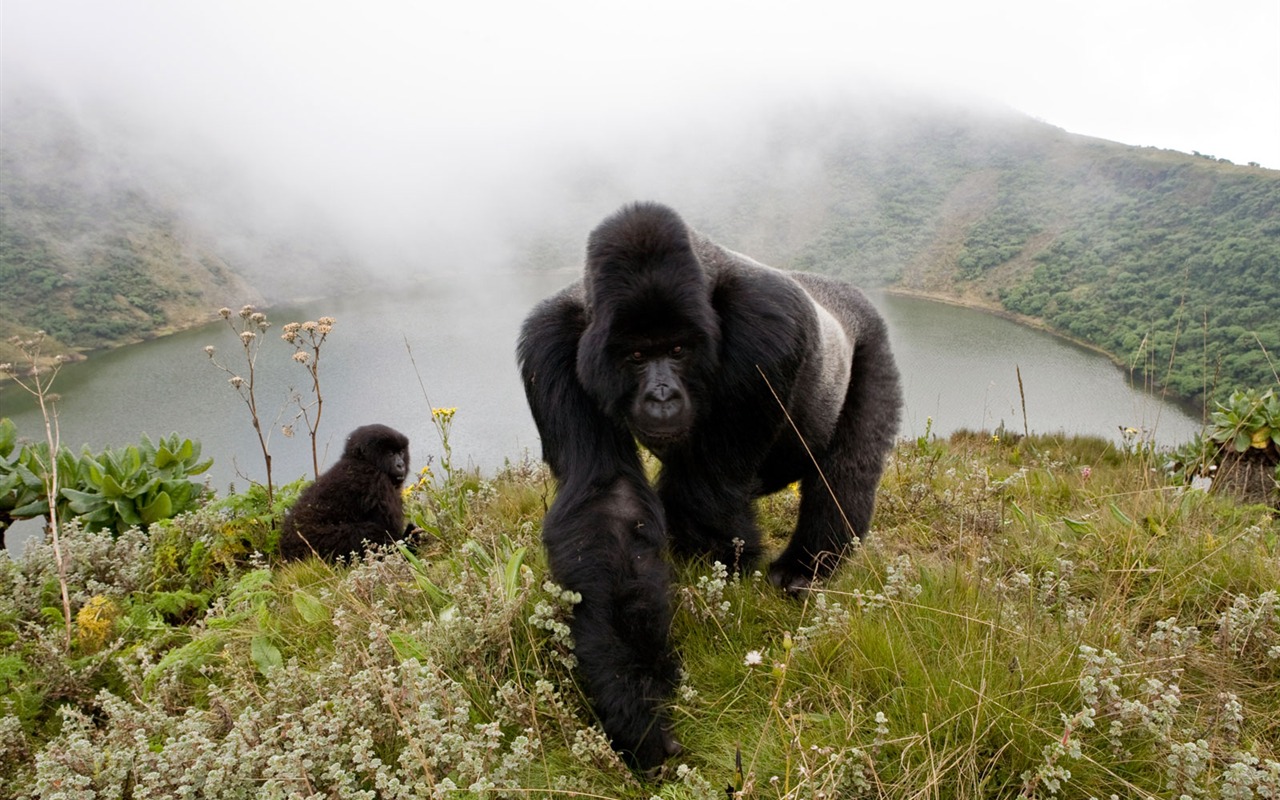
432 138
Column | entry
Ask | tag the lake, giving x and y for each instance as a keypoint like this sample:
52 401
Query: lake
959 370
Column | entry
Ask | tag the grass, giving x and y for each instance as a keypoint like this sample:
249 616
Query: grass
1044 617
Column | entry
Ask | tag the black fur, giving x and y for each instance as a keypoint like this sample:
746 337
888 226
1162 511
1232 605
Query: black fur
354 501
714 363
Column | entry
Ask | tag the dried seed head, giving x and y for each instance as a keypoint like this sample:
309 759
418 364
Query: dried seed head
248 336
301 357
209 350
225 312
236 381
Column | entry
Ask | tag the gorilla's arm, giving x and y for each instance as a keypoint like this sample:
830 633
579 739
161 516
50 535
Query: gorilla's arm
708 485
604 536
837 506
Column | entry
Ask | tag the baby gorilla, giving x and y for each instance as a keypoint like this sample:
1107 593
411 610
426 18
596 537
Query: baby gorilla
354 501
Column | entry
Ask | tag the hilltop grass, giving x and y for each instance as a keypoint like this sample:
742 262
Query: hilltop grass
1043 617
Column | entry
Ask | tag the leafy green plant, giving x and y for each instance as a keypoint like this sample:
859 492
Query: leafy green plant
137 485
1249 419
1193 459
22 492
116 489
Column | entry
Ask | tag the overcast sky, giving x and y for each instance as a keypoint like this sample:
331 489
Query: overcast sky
367 98
1170 73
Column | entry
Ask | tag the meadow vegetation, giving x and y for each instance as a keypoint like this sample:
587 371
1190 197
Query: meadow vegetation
1039 617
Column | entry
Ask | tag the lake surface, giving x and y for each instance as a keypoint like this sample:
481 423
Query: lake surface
959 368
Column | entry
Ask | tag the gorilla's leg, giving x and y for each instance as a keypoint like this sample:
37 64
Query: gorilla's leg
606 543
838 496
709 520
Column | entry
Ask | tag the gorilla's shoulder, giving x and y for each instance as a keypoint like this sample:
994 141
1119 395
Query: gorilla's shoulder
720 261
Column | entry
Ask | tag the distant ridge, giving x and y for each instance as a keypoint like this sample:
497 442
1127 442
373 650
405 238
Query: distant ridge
1168 261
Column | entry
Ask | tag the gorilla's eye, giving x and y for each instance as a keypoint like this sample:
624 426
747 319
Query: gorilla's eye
636 357
677 351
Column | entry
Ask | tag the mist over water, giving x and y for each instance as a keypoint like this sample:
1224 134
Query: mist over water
958 370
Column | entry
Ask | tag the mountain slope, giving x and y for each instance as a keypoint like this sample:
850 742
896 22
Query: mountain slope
1170 262
88 252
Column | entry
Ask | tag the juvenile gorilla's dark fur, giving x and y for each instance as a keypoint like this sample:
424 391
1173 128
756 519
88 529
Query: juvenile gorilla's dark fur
355 500
742 379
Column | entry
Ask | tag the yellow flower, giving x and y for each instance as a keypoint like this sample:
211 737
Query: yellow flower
95 621
444 414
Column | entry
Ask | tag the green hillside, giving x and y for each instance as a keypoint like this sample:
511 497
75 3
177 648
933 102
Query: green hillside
89 252
102 245
1170 262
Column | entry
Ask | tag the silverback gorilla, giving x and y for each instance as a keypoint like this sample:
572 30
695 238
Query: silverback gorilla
354 501
741 379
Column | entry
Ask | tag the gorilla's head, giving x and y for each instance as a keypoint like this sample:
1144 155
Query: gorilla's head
650 347
384 448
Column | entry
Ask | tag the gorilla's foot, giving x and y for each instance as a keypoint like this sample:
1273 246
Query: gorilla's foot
790 578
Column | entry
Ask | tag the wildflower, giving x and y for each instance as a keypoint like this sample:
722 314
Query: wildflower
443 414
1085 472
301 357
754 658
94 621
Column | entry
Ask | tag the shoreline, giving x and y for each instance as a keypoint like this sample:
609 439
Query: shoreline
1035 323
990 308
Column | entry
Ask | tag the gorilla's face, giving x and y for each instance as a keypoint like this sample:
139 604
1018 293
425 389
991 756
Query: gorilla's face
396 464
661 410
385 448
